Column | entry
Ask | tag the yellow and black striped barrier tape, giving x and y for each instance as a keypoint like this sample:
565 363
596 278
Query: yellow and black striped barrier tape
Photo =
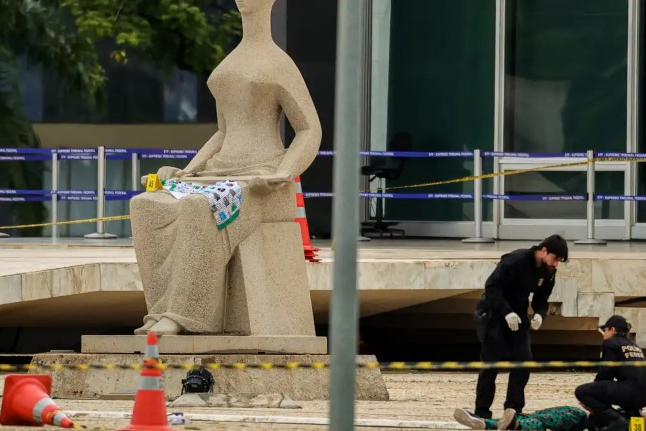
410 186
383 366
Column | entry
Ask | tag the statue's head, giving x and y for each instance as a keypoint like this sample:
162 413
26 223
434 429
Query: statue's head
254 6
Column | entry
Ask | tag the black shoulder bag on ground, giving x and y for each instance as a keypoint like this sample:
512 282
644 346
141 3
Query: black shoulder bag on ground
198 381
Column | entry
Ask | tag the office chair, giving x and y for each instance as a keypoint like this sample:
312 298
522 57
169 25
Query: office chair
379 170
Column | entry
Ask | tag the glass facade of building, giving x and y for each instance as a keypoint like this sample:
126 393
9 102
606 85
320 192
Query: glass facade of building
530 76
533 76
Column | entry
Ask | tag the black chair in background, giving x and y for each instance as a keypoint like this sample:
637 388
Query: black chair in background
380 169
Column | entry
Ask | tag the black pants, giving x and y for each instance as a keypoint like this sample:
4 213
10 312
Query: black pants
602 395
501 344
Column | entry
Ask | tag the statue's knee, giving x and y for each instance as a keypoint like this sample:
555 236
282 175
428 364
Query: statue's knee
136 203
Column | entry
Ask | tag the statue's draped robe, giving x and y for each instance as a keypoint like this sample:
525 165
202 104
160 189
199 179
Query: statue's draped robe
181 254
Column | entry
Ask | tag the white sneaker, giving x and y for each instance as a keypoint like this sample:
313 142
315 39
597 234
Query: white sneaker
468 419
507 418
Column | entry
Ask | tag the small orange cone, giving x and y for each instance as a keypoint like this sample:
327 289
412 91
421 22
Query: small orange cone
301 218
149 413
26 401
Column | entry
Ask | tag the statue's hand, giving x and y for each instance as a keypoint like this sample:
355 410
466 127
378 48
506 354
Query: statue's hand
167 172
269 185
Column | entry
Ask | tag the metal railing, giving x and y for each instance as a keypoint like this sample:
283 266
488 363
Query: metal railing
135 155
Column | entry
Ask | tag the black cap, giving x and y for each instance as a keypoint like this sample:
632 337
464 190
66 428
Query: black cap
618 322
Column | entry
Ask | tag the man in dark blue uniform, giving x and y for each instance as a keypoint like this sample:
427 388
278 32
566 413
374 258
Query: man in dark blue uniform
621 386
503 324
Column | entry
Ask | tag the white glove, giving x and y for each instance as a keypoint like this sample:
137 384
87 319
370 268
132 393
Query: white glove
537 321
513 320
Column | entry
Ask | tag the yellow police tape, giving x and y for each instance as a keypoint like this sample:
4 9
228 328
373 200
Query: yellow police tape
384 366
516 172
411 186
87 220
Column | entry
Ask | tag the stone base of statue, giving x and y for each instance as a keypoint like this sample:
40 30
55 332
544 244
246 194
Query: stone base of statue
207 344
300 383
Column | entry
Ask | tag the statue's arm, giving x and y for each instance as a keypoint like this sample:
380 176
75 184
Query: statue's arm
208 150
295 99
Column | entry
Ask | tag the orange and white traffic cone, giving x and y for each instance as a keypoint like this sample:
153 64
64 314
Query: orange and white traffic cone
301 218
149 413
26 401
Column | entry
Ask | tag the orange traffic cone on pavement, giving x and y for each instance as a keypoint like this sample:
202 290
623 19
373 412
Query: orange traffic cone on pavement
301 218
26 401
149 413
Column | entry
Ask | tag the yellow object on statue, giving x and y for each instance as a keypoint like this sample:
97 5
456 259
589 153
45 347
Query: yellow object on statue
153 183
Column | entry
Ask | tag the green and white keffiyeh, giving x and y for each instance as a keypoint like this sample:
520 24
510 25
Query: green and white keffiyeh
225 197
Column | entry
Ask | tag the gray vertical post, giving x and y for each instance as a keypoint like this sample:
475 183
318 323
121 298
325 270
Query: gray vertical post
500 73
347 139
135 179
100 199
366 110
55 170
135 172
590 240
477 201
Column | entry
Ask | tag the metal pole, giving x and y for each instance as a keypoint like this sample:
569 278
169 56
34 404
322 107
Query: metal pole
633 99
55 169
135 172
590 240
477 201
347 139
499 107
366 111
136 179
100 198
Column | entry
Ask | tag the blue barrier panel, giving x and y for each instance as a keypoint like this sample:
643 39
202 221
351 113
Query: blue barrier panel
536 197
72 195
396 195
454 196
417 195
25 199
619 198
532 155
127 194
75 192
148 153
622 155
318 195
23 158
78 157
18 151
407 154
166 156
120 195
75 198
24 192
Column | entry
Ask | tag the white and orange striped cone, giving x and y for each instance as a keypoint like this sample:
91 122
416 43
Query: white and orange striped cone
149 413
301 218
27 401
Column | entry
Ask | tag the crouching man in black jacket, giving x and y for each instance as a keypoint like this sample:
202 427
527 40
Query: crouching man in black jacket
621 386
503 325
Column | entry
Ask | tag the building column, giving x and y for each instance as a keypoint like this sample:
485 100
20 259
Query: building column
381 10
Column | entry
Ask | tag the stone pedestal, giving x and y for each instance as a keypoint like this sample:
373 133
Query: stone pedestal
204 344
297 384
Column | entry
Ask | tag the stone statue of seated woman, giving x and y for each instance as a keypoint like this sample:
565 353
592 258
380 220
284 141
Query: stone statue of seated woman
182 253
